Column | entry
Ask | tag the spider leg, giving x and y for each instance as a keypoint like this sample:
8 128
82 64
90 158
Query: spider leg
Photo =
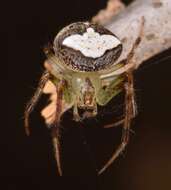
137 41
115 124
129 65
133 102
130 108
129 111
32 103
56 137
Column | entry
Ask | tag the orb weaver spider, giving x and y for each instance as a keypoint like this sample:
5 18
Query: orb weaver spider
82 67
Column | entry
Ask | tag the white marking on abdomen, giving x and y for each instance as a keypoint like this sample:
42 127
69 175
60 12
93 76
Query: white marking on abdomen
91 44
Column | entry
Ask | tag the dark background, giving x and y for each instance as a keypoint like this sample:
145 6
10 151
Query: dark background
29 164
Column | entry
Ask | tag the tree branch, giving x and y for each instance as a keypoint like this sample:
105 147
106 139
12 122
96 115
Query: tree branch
157 30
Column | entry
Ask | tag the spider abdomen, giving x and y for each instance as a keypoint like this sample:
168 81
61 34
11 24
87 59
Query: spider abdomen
87 47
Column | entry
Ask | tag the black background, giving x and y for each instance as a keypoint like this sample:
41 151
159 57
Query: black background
29 164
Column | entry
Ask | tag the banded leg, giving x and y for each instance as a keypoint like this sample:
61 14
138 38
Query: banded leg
32 103
129 110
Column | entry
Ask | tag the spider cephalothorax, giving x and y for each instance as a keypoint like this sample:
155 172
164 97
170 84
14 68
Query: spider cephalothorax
82 67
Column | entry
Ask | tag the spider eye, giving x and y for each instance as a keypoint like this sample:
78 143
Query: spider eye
87 47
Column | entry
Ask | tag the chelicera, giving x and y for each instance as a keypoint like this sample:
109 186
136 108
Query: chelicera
82 66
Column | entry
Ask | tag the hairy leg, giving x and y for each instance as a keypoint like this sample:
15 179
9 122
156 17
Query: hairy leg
32 103
129 65
55 126
129 107
133 102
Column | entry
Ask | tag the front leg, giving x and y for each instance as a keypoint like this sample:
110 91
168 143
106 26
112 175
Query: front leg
133 102
55 130
129 111
32 103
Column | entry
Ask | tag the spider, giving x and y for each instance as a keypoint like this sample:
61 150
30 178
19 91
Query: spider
82 66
